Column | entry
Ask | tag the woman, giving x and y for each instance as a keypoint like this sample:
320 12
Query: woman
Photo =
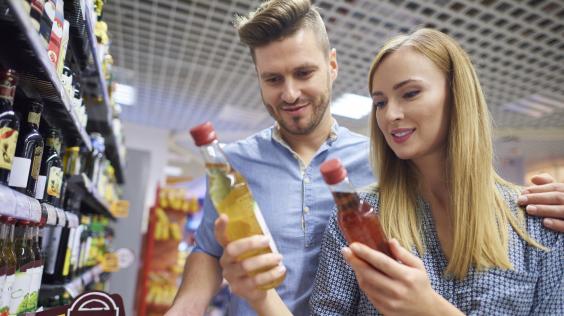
473 249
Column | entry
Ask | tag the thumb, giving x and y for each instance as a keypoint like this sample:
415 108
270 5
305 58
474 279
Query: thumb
543 178
221 230
404 256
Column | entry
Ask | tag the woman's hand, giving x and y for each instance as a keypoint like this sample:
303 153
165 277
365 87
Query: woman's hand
395 288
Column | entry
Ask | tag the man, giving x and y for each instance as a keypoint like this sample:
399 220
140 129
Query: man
296 69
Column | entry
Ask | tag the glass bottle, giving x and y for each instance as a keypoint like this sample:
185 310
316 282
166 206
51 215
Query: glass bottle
231 195
9 258
29 151
9 123
56 247
357 219
25 259
51 172
38 273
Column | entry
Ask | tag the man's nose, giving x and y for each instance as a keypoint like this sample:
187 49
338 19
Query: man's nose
291 92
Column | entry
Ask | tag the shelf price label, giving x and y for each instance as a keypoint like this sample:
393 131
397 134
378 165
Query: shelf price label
110 262
51 214
35 210
120 208
61 218
23 206
7 200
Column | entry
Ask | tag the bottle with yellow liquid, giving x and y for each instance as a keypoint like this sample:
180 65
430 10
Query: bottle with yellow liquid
231 195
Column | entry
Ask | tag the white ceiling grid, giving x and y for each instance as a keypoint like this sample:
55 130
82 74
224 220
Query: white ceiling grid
189 63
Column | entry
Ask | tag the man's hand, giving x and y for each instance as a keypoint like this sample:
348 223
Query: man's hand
546 199
238 272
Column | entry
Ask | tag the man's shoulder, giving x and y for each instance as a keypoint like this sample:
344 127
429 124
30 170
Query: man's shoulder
350 137
250 144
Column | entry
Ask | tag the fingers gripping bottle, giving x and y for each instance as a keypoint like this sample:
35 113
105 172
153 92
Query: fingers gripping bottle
231 195
357 219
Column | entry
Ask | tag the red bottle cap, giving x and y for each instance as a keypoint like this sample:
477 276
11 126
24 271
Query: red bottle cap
203 134
333 171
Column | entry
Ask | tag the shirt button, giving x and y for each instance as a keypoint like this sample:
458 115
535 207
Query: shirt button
306 209
306 180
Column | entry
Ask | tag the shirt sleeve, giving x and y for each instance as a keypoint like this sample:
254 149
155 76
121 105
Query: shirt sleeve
549 294
205 237
335 291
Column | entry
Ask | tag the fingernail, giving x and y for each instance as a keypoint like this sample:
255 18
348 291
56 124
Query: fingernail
522 199
281 269
548 222
345 251
531 209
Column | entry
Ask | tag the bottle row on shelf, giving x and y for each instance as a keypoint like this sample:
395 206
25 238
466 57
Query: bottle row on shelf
57 66
32 161
35 258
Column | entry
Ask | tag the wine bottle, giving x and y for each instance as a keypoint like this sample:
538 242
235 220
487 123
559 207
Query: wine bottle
51 172
9 123
29 151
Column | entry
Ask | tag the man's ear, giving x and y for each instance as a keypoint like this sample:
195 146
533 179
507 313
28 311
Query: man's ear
333 65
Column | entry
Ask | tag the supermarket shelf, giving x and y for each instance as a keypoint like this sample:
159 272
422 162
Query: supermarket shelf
78 284
100 113
22 207
23 51
82 186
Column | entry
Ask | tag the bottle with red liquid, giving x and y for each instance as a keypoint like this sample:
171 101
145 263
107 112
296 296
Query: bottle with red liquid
357 220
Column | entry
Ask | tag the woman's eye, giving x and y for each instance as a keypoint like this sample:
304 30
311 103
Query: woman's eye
378 104
411 94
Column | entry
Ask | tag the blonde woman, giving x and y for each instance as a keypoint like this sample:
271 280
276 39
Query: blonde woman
473 250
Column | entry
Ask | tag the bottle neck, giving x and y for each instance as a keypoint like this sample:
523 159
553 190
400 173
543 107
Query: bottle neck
214 157
3 231
54 143
7 93
34 118
345 186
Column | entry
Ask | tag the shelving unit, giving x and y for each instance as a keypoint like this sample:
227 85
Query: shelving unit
38 77
90 196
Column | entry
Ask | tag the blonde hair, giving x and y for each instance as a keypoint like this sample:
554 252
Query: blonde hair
277 19
480 215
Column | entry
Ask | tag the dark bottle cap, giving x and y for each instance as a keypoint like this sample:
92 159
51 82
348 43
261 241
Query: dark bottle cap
333 171
9 220
203 134
36 106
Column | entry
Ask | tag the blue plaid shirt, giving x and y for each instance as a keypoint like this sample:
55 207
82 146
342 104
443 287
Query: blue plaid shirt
294 200
535 286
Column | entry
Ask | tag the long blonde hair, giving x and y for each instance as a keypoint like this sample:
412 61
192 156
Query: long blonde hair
480 215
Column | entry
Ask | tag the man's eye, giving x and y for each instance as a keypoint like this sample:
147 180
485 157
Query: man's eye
303 74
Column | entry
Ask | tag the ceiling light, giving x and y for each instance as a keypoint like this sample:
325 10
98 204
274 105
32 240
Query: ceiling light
352 106
124 94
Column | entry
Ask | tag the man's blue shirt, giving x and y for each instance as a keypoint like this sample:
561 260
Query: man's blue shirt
294 200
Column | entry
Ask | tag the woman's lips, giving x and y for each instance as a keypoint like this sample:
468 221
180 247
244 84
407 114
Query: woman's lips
401 135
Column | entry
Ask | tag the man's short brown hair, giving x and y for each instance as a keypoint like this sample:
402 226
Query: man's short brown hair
277 19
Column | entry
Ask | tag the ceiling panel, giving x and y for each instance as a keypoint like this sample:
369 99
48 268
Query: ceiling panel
189 64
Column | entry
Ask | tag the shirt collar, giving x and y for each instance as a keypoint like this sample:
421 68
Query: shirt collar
333 134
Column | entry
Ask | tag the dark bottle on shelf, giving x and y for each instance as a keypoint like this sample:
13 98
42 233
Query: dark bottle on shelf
29 151
9 259
94 163
25 259
9 123
50 180
357 219
56 253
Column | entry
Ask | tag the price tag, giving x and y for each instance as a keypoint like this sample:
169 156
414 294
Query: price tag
23 207
51 214
110 262
61 218
120 208
72 220
7 200
125 257
74 288
35 210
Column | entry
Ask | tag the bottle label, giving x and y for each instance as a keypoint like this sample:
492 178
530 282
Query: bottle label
40 187
7 92
66 266
264 227
20 172
34 118
53 248
20 290
55 180
8 285
35 285
38 153
8 140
